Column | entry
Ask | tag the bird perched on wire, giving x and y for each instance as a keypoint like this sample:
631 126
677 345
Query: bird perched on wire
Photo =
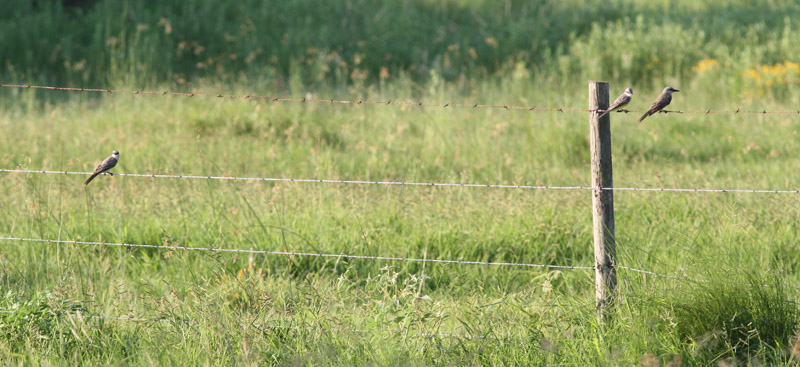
662 101
620 102
106 165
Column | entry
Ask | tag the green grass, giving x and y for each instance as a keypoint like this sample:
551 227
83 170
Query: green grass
238 309
708 236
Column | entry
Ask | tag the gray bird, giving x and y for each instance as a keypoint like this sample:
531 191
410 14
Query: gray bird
620 102
662 101
106 165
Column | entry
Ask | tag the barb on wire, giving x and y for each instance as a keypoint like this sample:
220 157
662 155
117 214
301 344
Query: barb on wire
291 253
363 102
405 183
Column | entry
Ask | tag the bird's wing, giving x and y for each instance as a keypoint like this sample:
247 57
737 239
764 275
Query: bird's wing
106 165
619 102
662 101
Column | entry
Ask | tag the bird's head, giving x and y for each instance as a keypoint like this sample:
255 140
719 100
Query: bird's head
115 153
670 90
629 90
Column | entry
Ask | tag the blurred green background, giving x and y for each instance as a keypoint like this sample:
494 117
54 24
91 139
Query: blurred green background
356 42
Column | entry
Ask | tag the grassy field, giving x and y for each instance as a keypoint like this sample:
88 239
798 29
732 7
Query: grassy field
240 309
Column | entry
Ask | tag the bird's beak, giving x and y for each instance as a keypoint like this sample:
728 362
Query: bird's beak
675 90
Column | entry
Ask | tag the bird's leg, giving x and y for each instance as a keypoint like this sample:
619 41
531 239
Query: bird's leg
623 110
108 173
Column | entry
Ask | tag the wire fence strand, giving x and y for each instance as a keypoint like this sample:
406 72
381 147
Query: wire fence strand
406 183
282 99
311 180
662 275
362 257
346 256
698 280
292 253
370 102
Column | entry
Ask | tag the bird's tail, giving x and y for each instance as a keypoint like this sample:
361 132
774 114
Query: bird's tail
644 116
90 178
604 113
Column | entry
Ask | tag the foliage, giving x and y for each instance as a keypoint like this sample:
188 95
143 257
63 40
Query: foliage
287 44
236 309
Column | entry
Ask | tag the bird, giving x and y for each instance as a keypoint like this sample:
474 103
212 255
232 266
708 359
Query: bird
620 102
106 165
662 101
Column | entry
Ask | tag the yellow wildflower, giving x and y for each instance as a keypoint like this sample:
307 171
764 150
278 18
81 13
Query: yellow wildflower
704 64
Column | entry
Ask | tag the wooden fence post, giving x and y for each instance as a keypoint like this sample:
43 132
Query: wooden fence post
605 249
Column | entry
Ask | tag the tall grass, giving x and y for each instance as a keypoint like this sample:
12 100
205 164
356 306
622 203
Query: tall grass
210 300
224 309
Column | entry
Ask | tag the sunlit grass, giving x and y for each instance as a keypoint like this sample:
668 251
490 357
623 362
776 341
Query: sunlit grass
540 310
242 309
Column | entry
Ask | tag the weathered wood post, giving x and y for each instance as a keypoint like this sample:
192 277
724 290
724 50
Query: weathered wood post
605 249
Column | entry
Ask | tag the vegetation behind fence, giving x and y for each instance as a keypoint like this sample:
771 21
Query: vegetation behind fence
108 277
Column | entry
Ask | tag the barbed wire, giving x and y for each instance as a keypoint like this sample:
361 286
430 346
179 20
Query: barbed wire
698 280
362 257
311 180
406 183
281 99
678 277
369 102
674 189
292 253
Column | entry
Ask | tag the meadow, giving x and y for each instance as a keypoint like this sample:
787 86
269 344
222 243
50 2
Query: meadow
250 309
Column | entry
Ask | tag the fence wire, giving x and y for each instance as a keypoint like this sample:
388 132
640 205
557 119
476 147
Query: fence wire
346 256
406 183
369 102
697 280
287 253
291 253
311 180
662 275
